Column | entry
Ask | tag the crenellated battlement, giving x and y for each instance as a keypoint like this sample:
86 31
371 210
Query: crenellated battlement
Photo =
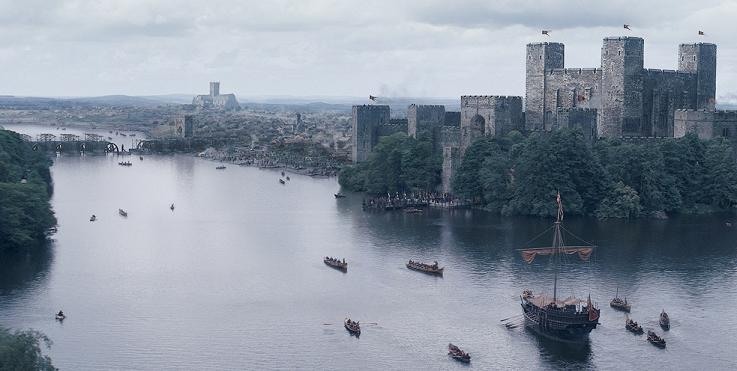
575 71
663 71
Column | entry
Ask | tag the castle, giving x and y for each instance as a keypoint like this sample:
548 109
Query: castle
216 100
619 99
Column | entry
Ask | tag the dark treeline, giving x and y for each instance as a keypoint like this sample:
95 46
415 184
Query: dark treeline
25 186
515 175
397 164
518 175
21 350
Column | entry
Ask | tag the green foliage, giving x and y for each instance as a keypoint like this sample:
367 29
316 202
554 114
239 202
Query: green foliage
21 351
621 202
517 175
720 179
397 164
25 212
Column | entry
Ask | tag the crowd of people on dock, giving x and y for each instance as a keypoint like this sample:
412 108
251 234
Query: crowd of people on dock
398 201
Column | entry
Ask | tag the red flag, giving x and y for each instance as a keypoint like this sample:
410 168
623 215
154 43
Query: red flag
593 313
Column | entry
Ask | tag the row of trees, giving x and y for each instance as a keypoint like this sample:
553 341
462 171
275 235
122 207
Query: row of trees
518 175
397 164
612 178
25 186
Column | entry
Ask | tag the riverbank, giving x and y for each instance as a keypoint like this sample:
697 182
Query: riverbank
25 187
266 159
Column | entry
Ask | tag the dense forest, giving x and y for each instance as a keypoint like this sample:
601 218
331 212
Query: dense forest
25 186
518 175
397 164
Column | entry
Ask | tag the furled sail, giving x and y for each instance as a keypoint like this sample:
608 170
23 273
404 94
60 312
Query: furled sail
584 252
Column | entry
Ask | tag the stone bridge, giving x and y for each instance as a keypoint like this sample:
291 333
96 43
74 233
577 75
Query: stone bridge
72 143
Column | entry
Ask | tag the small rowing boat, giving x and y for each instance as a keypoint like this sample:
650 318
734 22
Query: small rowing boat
426 268
664 320
339 195
282 181
633 327
221 167
353 327
656 340
458 354
336 263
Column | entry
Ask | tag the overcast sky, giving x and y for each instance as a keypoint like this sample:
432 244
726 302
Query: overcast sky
331 48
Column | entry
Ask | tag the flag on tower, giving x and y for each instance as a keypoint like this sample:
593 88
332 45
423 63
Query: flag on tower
546 32
627 27
701 33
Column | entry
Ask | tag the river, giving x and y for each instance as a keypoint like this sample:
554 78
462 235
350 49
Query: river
233 278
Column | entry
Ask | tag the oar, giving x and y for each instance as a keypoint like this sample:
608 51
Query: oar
506 319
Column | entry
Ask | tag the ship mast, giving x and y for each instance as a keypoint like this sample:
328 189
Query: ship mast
557 242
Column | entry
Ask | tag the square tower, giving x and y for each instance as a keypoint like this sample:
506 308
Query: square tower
426 118
701 59
214 88
622 61
366 122
541 57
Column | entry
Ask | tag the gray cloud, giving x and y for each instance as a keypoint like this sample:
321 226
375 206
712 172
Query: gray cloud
328 47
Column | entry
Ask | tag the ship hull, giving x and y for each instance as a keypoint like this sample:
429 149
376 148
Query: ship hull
572 329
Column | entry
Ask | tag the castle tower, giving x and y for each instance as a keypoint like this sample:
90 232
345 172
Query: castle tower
366 121
426 118
701 59
540 58
621 87
214 88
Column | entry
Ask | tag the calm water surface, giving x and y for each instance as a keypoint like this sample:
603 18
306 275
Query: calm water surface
233 279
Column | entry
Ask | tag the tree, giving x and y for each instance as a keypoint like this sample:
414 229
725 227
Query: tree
622 202
21 351
720 178
25 184
397 164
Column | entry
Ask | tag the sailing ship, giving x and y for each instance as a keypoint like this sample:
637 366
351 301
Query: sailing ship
567 320
618 303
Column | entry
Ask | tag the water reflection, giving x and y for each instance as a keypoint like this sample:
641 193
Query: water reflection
23 271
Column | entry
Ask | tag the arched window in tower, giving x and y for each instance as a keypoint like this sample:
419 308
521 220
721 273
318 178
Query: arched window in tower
725 132
694 58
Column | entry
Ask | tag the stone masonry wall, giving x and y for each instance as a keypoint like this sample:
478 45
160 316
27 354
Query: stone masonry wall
366 120
488 115
664 92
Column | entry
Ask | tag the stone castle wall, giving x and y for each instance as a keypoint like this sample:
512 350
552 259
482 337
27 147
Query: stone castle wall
630 100
487 115
583 119
366 121
664 92
706 124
